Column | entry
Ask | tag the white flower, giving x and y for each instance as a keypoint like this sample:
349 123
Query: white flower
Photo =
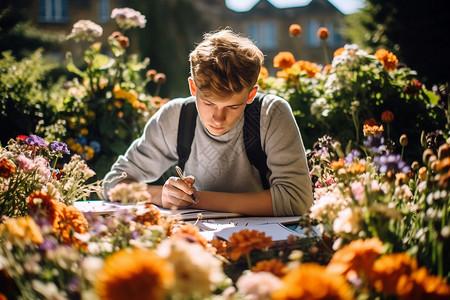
348 221
85 30
197 271
258 286
326 208
48 290
128 18
90 266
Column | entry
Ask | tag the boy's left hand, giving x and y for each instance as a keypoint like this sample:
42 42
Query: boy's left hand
177 192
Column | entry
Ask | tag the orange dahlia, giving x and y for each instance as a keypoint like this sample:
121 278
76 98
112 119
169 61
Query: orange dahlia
244 241
190 233
312 281
387 270
387 116
283 60
358 256
134 275
388 59
71 220
7 168
368 130
421 285
273 266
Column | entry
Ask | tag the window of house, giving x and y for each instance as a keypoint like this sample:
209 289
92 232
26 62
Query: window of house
311 38
264 34
53 11
104 11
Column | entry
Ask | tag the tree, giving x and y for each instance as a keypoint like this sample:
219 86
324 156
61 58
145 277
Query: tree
417 31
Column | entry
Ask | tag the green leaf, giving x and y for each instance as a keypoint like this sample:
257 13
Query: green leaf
102 62
432 97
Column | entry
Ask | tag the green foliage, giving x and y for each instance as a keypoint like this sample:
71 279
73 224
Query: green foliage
26 94
357 87
107 105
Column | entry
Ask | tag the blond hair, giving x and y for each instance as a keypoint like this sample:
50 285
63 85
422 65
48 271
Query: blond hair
225 63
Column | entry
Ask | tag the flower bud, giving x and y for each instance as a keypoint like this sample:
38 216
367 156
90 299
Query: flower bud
426 155
151 74
444 151
160 78
387 116
422 173
415 165
323 33
403 140
295 30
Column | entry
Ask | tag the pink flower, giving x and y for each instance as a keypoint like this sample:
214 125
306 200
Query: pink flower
358 191
25 163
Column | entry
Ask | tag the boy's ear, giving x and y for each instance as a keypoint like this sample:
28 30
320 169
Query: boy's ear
192 86
252 94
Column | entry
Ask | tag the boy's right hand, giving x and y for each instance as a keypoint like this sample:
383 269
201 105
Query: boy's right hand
177 192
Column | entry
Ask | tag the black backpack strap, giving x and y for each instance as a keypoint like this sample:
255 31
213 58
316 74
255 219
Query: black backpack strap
252 138
186 130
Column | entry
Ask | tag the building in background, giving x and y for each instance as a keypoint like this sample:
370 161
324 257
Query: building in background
268 26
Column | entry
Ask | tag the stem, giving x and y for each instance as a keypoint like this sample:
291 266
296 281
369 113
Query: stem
325 52
158 88
249 262
356 123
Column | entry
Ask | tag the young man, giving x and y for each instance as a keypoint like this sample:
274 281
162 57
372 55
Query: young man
224 70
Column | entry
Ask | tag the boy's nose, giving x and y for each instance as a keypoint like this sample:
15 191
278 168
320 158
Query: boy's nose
219 115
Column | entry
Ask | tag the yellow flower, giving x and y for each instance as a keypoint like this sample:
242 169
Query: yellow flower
311 281
134 275
387 270
273 266
358 256
23 228
244 241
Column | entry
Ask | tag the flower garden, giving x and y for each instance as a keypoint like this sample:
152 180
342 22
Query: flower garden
379 159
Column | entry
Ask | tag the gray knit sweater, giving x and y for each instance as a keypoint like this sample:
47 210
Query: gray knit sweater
220 163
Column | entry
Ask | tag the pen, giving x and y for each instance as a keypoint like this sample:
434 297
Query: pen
180 173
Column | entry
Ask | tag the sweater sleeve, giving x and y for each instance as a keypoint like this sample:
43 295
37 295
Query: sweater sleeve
149 156
289 175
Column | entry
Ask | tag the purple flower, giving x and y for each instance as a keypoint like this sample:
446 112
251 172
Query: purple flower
34 140
59 147
375 143
352 155
391 162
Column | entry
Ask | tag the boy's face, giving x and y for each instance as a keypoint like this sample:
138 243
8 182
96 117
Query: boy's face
218 114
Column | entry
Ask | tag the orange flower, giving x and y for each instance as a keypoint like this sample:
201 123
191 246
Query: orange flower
190 233
338 51
368 130
312 281
157 102
337 164
244 241
327 69
357 168
7 168
283 60
358 256
295 30
220 246
149 216
41 201
387 116
310 68
134 275
323 33
263 73
23 228
421 285
370 121
388 59
273 266
387 270
71 220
